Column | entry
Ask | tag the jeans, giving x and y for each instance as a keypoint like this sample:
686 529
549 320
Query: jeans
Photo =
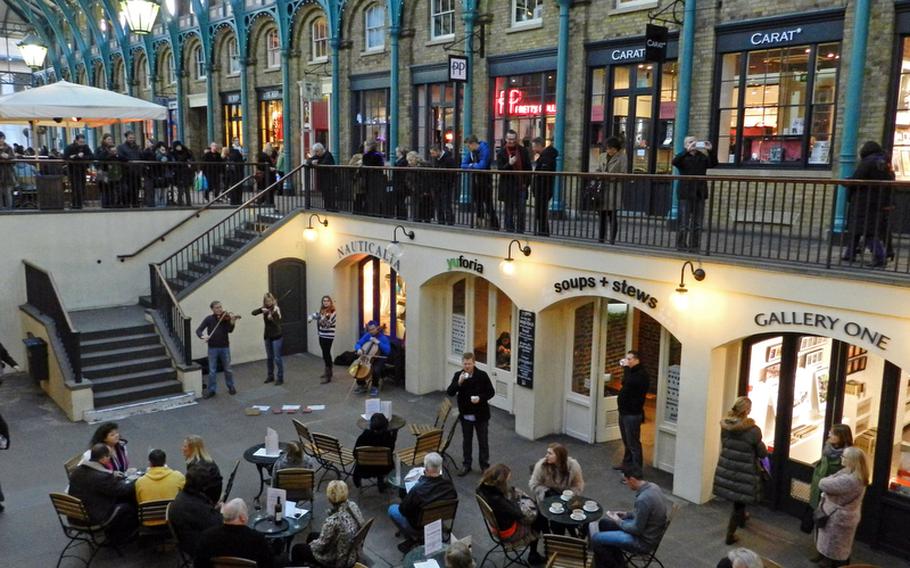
467 435
609 544
630 429
691 219
222 354
273 357
326 345
402 522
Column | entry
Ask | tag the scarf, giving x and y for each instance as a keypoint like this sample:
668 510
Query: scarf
830 452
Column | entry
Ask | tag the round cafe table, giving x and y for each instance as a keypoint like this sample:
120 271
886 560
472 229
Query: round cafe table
564 518
262 463
396 423
285 531
417 554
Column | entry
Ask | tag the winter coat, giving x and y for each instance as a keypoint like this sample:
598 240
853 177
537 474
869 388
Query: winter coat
375 178
183 172
545 478
505 508
843 500
427 491
213 170
7 177
99 489
191 513
543 185
512 186
481 185
694 163
335 545
737 477
325 177
78 165
376 438
612 189
829 464
478 384
870 205
634 391
158 483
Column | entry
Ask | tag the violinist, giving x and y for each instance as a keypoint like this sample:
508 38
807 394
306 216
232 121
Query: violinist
271 316
214 331
375 345
325 324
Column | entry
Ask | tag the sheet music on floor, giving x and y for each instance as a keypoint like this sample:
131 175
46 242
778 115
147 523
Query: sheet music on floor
432 538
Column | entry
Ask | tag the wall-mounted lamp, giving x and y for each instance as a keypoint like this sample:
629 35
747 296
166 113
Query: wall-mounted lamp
681 297
507 266
395 246
311 234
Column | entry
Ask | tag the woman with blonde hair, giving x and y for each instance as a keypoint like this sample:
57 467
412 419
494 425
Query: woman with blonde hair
271 316
839 439
840 509
334 547
738 477
325 326
194 451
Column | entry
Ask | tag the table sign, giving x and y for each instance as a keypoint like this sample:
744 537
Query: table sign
271 442
272 496
432 537
427 564
386 408
371 407
525 364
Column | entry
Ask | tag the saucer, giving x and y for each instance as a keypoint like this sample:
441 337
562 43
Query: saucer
557 511
590 508
564 498
576 517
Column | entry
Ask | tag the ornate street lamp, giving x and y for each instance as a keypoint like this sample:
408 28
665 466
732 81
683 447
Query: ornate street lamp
139 15
33 51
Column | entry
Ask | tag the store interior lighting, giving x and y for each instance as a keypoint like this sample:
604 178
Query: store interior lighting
681 297
507 266
310 234
395 246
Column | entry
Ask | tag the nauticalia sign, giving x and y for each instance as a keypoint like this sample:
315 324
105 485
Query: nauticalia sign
371 248
825 322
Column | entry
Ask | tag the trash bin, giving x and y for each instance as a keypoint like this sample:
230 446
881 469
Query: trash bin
36 351
50 191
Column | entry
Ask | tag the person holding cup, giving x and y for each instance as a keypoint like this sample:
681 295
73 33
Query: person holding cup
556 474
474 391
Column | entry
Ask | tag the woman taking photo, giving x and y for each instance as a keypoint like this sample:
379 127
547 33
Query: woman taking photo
517 525
737 477
325 325
109 434
334 546
841 502
839 438
271 316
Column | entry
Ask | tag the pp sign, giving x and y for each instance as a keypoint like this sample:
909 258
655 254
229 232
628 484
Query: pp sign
458 68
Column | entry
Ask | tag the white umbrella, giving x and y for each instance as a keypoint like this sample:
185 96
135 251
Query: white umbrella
69 105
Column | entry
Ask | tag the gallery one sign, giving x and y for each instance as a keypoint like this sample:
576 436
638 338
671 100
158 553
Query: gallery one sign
824 322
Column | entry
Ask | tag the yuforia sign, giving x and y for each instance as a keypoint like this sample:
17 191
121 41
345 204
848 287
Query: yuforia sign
465 264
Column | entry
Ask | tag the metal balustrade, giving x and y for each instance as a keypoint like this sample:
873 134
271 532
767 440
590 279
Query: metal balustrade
42 294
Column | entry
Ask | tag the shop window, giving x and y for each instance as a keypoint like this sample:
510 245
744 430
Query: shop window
442 19
481 305
319 40
199 59
383 297
233 123
901 157
371 119
899 480
502 328
233 57
272 50
527 12
525 104
170 73
459 325
777 106
615 342
438 113
374 28
271 122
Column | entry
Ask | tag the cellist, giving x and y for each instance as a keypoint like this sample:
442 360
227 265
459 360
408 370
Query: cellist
371 341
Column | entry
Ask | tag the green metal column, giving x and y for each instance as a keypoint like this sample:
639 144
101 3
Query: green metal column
245 106
469 15
852 107
394 7
335 116
286 111
684 97
562 80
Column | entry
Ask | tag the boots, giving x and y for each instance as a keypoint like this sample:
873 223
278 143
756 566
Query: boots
737 519
326 376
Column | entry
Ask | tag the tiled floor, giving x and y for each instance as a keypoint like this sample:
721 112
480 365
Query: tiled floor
43 439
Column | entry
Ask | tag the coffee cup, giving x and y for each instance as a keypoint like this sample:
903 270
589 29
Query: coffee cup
591 503
568 494
475 399
556 507
577 512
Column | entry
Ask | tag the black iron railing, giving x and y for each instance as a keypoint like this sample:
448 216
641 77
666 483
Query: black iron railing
782 220
42 294
175 321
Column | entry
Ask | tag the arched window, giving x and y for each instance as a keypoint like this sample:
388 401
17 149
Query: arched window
374 28
233 57
199 60
170 72
319 40
272 50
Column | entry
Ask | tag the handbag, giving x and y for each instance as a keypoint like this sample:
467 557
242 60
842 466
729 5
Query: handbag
820 516
527 505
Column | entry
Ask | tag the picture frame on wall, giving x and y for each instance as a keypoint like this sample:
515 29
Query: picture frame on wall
772 354
854 351
856 364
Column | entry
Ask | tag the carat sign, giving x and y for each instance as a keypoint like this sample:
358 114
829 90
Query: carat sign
458 68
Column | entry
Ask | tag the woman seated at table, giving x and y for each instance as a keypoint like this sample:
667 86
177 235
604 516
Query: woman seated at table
109 434
293 456
378 434
334 546
195 454
553 474
515 512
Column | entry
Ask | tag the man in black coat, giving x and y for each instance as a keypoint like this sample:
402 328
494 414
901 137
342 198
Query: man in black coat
78 154
430 488
474 391
105 494
695 160
233 538
193 511
325 177
513 189
444 188
129 151
631 403
869 207
543 185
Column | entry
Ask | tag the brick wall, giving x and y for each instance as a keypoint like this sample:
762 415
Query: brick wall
583 338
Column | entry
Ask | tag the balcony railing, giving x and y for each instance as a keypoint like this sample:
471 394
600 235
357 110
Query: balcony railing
42 294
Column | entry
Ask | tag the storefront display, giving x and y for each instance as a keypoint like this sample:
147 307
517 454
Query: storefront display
525 104
232 113
370 112
776 93
383 297
900 158
271 117
437 116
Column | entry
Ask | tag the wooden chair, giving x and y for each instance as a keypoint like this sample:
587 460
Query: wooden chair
444 450
768 563
512 551
184 559
153 518
299 484
306 440
442 415
426 443
443 510
569 552
78 528
373 457
230 483
71 464
232 562
645 559
359 565
332 457
551 562
360 537
860 566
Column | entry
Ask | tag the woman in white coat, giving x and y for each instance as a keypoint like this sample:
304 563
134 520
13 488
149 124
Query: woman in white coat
842 501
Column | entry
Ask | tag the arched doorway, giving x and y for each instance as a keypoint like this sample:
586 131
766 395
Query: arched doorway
287 281
382 297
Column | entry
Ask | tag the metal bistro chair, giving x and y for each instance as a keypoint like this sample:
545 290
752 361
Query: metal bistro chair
444 450
71 464
153 519
426 443
232 562
360 537
442 414
78 528
373 457
443 510
184 559
645 559
230 483
570 552
333 457
298 482
512 551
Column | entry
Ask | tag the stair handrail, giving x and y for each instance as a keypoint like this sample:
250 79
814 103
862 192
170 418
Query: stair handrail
167 312
46 298
195 214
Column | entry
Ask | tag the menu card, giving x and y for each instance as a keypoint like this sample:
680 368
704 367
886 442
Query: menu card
271 442
386 408
432 537
373 405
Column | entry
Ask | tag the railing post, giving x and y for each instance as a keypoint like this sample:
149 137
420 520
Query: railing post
153 286
307 188
76 357
187 341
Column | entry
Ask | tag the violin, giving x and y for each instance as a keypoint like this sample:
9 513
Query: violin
362 368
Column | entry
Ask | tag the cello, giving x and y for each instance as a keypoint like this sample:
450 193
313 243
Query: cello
362 368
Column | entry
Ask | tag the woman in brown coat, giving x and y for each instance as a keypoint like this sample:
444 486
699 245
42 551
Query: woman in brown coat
842 501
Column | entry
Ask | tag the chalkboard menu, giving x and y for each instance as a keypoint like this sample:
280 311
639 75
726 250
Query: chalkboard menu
526 322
